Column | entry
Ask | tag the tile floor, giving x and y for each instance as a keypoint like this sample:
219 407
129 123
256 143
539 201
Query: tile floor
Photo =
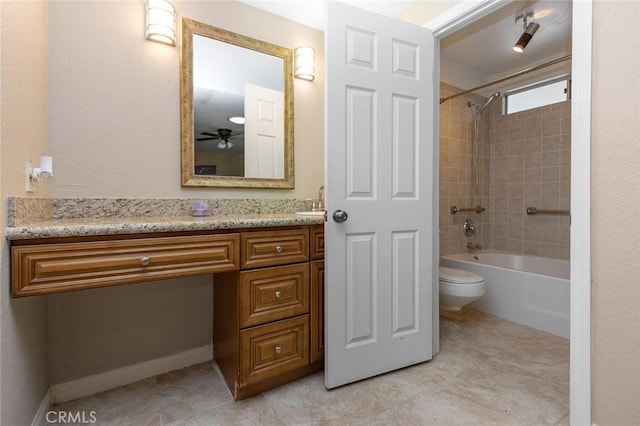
488 372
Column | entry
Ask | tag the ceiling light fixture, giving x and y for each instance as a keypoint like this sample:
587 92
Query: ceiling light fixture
530 29
236 119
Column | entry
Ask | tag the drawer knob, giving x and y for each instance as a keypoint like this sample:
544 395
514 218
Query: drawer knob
278 249
278 294
144 261
278 349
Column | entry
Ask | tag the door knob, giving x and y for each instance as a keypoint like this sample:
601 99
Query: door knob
340 216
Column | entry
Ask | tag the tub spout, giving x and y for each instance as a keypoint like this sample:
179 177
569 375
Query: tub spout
473 246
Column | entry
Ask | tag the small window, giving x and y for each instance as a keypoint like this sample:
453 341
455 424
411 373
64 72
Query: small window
537 95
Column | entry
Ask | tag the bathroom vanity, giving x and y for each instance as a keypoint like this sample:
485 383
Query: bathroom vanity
268 274
276 301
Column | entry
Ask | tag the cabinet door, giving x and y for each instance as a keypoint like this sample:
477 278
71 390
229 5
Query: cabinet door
317 242
317 310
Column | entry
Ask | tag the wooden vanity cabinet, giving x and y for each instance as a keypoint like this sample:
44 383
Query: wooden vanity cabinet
263 329
268 289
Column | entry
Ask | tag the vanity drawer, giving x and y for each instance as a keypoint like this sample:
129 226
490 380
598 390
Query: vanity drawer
270 350
317 242
273 293
271 248
57 267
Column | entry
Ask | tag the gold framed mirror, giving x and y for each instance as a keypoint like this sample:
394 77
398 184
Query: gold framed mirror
236 110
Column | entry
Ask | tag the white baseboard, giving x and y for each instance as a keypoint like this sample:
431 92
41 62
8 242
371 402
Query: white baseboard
122 376
40 418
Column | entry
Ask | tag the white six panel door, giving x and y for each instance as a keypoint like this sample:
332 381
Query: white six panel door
263 132
379 170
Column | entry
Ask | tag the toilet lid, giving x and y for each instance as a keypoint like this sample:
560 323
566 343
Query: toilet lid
458 276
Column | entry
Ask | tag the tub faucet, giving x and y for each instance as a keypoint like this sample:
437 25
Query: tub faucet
473 246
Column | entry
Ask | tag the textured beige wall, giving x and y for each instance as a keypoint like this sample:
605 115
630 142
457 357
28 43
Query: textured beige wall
92 331
615 201
531 167
524 160
423 11
114 132
114 123
456 181
23 132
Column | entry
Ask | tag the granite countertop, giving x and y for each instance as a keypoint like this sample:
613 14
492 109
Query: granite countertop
55 228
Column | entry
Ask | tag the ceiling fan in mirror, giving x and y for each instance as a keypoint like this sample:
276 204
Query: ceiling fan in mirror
223 136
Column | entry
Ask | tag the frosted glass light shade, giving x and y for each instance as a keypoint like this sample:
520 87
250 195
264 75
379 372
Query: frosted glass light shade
304 63
161 22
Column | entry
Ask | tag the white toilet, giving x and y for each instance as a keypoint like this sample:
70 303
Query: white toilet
459 288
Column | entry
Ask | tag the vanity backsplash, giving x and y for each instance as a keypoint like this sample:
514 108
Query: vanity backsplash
24 211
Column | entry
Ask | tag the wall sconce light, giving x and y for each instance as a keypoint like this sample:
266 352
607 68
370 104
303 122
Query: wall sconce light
34 174
304 63
530 29
161 22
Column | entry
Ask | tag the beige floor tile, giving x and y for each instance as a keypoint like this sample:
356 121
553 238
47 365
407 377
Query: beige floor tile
513 390
488 372
565 421
249 412
443 408
307 401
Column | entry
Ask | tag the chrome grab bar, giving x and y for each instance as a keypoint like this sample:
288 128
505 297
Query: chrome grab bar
477 209
533 210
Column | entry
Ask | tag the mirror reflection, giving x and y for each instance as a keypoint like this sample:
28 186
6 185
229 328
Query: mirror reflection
236 110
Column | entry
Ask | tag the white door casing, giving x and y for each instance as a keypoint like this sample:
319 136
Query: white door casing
263 132
379 169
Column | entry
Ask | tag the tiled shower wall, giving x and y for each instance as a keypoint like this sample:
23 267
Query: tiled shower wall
524 161
531 167
456 181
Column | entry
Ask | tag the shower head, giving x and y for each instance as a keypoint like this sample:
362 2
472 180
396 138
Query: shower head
491 98
479 109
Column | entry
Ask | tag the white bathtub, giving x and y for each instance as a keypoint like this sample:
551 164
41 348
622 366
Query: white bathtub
529 290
